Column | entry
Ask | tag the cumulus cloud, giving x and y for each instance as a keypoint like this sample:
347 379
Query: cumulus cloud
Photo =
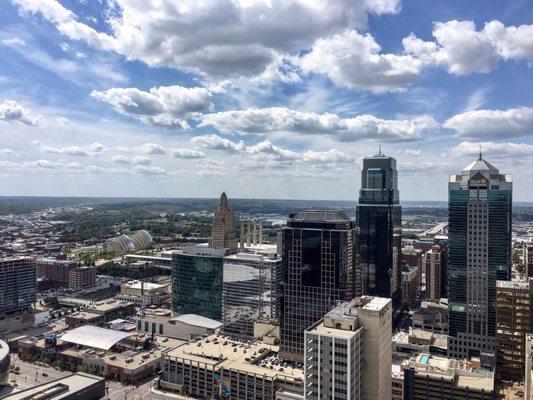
7 151
355 61
139 160
491 149
280 119
12 111
492 124
463 50
186 153
148 170
217 39
14 41
270 151
84 151
146 148
166 106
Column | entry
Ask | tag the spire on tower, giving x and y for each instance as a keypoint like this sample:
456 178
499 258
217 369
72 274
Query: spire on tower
480 155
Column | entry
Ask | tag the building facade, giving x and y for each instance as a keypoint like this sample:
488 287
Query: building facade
18 285
435 273
513 321
528 372
251 292
318 267
82 277
379 218
223 233
197 276
479 250
348 352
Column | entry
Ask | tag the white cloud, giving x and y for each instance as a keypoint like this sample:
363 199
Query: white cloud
215 142
14 41
505 150
463 50
147 170
138 160
186 153
62 121
167 106
7 151
12 111
96 147
355 61
492 124
218 39
84 151
280 119
151 148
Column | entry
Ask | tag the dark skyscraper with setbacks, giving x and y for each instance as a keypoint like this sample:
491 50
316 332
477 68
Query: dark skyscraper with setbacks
379 218
479 251
318 268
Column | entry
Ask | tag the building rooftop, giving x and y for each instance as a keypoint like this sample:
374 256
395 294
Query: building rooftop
108 306
198 320
480 165
221 352
512 285
319 216
147 285
95 337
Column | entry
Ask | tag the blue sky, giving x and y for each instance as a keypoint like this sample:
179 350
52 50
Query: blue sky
264 99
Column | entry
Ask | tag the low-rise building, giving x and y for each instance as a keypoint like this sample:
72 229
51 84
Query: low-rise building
428 377
185 327
397 382
81 278
219 366
431 316
418 341
144 294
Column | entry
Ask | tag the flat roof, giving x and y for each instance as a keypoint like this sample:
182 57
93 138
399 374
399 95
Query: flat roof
198 320
95 337
76 383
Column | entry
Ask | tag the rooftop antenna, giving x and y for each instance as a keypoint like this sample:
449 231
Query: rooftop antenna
480 155
379 154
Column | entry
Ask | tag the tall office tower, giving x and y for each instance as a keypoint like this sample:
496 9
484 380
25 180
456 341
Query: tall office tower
529 260
514 305
223 233
251 290
379 218
528 379
197 273
348 353
318 268
479 253
18 285
435 264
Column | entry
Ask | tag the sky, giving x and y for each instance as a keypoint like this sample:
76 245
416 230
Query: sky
261 99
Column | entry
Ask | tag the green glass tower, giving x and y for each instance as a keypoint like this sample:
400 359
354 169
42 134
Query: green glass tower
479 225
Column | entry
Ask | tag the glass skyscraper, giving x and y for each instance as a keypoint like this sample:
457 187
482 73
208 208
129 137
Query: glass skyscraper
197 281
479 226
379 218
318 268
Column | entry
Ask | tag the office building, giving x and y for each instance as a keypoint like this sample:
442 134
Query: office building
397 382
18 285
428 377
379 218
529 260
81 277
410 283
513 321
55 270
318 267
219 367
197 276
479 251
528 372
348 352
251 290
435 273
223 233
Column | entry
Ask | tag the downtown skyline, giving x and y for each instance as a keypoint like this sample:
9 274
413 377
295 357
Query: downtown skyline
278 100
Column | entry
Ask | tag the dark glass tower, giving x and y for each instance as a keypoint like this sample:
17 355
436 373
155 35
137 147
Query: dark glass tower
479 250
379 218
318 268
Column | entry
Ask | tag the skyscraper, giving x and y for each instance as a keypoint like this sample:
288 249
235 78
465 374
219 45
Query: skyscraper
435 264
479 226
18 285
379 218
223 232
318 267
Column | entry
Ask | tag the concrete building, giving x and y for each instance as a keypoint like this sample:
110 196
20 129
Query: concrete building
431 316
5 360
144 294
528 371
251 290
78 386
428 377
513 321
223 233
411 283
81 278
404 344
197 278
348 353
184 327
218 367
435 272
479 250
18 285
319 266
397 382
56 270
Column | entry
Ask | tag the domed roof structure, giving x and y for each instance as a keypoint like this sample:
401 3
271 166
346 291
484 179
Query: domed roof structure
142 240
120 244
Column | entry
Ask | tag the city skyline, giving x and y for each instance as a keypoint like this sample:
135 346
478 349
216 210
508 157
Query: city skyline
260 107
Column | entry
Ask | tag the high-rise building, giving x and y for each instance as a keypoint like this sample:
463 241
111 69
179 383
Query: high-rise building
223 233
514 308
529 260
82 277
479 253
435 272
410 283
197 273
528 379
318 268
379 218
251 290
348 353
18 284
